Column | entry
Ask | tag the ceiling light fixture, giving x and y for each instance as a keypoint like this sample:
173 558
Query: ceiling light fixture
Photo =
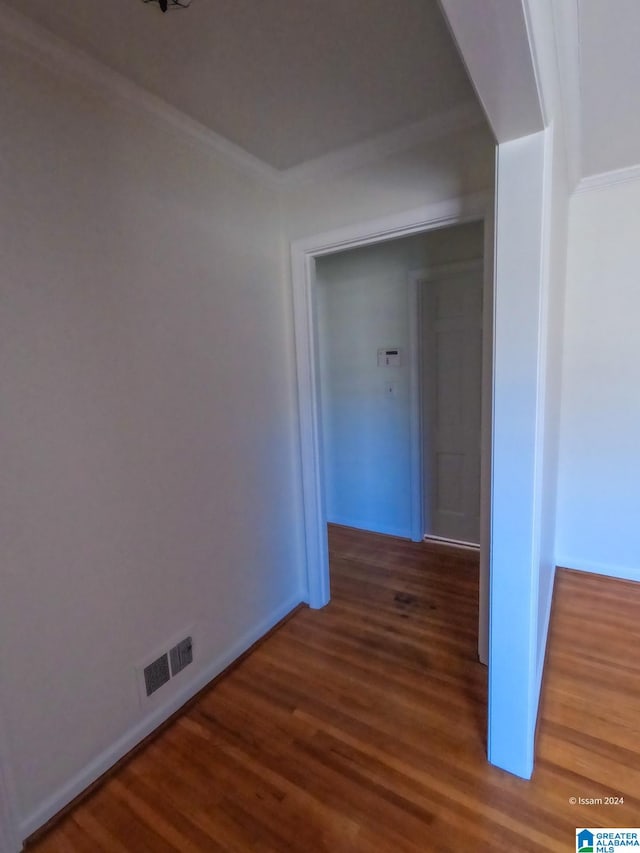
170 4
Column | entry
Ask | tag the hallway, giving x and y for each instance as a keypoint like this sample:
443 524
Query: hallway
361 727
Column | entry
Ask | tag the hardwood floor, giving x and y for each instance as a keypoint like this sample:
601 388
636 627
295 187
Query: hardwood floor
361 727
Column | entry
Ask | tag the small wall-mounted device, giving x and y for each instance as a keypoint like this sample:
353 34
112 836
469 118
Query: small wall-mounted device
391 357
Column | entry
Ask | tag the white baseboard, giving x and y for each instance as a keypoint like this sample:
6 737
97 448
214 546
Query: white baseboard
358 524
625 573
604 180
131 738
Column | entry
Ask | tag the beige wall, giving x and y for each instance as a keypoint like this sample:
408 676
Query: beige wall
149 483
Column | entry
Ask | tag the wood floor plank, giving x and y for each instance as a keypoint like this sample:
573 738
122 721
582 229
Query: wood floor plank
361 728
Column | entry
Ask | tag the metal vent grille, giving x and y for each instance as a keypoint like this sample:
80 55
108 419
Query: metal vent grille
181 655
156 674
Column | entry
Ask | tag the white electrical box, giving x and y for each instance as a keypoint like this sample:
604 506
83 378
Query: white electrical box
391 357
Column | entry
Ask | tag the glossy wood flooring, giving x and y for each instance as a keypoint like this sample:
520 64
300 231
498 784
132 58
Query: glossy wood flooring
361 727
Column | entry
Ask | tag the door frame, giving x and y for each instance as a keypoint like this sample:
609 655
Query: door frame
416 382
477 207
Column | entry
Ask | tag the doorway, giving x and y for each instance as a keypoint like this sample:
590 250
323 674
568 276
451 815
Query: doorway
304 254
370 304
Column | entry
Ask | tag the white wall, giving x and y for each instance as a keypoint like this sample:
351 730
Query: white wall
598 504
362 301
149 481
543 29
517 411
443 169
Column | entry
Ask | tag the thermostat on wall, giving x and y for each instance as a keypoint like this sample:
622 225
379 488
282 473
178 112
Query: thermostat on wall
390 357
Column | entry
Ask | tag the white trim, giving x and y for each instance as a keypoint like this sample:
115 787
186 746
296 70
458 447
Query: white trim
316 546
449 270
106 759
428 218
414 309
303 254
604 180
541 386
357 524
463 117
57 55
624 573
486 432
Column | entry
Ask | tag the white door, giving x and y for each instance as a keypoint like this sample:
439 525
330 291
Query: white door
451 368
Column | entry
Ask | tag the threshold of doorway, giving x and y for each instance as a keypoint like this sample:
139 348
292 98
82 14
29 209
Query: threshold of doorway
454 543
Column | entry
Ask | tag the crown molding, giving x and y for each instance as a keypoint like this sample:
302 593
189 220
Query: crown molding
604 180
59 56
530 12
566 20
463 117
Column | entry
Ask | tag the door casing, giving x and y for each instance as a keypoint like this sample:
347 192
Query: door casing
478 207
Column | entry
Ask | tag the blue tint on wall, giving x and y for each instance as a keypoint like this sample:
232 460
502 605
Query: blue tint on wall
362 305
365 408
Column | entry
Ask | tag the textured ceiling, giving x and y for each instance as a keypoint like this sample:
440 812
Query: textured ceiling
609 77
287 80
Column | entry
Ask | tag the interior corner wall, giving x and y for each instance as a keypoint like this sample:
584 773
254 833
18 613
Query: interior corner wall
150 484
599 462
